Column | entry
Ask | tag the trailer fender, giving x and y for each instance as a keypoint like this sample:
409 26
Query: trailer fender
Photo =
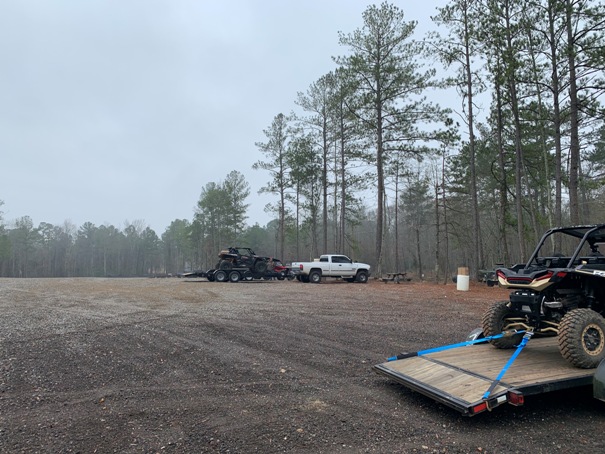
598 382
475 334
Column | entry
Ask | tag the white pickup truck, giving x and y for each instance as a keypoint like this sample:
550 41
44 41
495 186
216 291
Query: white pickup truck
331 265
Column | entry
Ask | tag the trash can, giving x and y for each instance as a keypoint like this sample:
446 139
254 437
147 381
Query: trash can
462 280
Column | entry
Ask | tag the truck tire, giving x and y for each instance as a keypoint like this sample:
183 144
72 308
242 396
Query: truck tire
220 276
234 276
315 276
495 322
362 277
582 338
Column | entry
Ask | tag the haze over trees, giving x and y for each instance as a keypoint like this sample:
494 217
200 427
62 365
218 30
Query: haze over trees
370 165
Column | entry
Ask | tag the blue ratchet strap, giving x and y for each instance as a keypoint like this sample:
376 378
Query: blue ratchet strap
460 344
522 344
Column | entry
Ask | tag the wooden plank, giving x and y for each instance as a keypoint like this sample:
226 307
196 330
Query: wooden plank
458 384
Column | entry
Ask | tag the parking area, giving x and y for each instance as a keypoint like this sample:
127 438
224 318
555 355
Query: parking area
187 365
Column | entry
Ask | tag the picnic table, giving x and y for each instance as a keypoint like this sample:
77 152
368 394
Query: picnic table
395 277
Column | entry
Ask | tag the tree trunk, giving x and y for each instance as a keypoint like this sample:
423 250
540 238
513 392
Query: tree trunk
574 139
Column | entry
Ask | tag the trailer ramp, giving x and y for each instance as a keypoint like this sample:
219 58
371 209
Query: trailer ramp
459 378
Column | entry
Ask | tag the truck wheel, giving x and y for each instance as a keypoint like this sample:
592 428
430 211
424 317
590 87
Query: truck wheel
234 276
315 277
582 338
362 277
220 276
495 321
248 275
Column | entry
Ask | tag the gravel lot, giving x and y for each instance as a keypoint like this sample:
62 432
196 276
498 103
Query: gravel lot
180 366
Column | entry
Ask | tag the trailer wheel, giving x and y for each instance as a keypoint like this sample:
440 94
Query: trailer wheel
220 276
582 338
315 277
362 277
234 276
495 321
248 275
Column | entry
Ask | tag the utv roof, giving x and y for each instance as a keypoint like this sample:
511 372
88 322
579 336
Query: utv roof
596 232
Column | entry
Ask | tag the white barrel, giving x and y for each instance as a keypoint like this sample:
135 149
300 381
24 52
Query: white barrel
462 280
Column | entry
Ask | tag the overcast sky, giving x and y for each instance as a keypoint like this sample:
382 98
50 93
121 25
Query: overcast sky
123 110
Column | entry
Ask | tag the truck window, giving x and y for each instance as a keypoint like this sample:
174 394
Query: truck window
323 259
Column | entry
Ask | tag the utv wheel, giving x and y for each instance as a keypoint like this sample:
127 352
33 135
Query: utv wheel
362 277
220 276
315 277
260 267
234 276
225 265
582 338
495 322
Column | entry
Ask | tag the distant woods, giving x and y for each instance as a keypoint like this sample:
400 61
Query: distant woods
369 164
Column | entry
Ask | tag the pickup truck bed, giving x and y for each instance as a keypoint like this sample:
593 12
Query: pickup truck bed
460 377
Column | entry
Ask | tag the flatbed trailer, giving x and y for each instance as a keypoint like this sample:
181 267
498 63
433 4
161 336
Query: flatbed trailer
466 378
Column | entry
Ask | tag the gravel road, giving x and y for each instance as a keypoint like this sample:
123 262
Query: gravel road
190 366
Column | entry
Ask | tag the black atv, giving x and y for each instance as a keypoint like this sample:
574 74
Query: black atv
242 257
557 294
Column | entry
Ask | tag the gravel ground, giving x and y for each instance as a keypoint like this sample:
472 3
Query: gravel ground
180 366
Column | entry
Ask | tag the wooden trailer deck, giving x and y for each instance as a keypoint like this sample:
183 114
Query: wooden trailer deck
461 376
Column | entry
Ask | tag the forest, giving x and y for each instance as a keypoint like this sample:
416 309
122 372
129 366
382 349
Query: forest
369 165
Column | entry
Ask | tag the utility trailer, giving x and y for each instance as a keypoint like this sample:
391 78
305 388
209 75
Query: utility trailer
475 378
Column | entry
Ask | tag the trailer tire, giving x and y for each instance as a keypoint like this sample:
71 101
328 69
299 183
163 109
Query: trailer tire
220 276
582 338
494 322
234 276
362 277
315 276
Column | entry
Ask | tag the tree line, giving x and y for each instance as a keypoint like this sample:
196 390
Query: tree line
366 164
461 186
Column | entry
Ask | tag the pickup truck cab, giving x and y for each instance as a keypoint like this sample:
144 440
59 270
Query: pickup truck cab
331 265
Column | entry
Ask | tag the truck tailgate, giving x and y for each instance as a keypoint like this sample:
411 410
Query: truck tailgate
460 377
